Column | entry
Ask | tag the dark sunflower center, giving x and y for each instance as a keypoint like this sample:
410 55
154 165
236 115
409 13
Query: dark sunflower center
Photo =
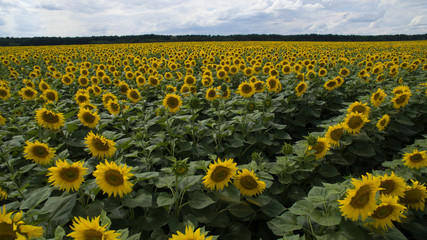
108 98
412 196
301 87
172 102
220 173
355 122
322 72
69 174
114 106
82 98
359 109
190 80
88 117
100 145
29 93
134 95
248 182
376 96
344 72
50 117
401 99
319 147
336 134
416 158
258 86
123 88
246 88
287 69
212 93
50 96
383 212
114 177
91 234
388 186
331 84
40 151
272 83
6 232
3 93
361 198
153 81
383 122
83 81
67 79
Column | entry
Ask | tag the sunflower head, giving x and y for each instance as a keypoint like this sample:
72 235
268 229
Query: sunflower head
248 184
392 185
219 174
49 119
67 176
320 148
100 146
359 107
113 179
415 159
400 100
134 95
354 122
39 152
12 227
84 229
414 196
88 118
334 134
301 88
172 102
246 89
190 234
383 122
387 211
360 200
28 93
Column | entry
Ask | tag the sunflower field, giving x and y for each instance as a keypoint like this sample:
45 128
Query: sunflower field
214 140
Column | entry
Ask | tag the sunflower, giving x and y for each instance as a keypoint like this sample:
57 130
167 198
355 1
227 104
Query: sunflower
96 90
189 80
106 97
3 194
322 72
185 90
170 89
88 106
82 98
400 100
67 176
392 185
225 93
50 95
321 147
378 97
43 86
273 84
4 93
134 95
334 134
359 107
39 152
330 85
83 81
246 89
287 69
383 122
248 71
100 146
153 81
211 94
415 196
140 80
344 72
415 159
360 200
66 79
401 89
339 81
172 102
113 179
12 227
49 119
113 107
389 210
190 235
84 229
88 117
28 93
354 121
301 88
248 183
219 174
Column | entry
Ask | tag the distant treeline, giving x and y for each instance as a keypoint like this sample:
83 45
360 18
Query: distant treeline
37 41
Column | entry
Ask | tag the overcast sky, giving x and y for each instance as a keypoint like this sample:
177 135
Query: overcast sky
68 18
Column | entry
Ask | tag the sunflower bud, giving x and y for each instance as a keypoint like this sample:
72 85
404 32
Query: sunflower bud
311 140
256 156
251 106
287 149
180 167
267 102
194 102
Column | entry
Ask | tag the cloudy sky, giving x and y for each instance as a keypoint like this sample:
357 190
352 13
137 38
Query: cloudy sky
68 18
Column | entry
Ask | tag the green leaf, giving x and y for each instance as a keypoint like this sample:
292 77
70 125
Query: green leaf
331 218
302 207
164 199
59 233
104 219
328 170
284 224
200 200
37 197
142 198
189 181
363 149
146 175
394 234
124 233
241 210
294 237
155 219
60 208
229 194
273 208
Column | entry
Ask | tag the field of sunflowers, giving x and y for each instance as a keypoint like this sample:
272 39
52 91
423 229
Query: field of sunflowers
214 140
